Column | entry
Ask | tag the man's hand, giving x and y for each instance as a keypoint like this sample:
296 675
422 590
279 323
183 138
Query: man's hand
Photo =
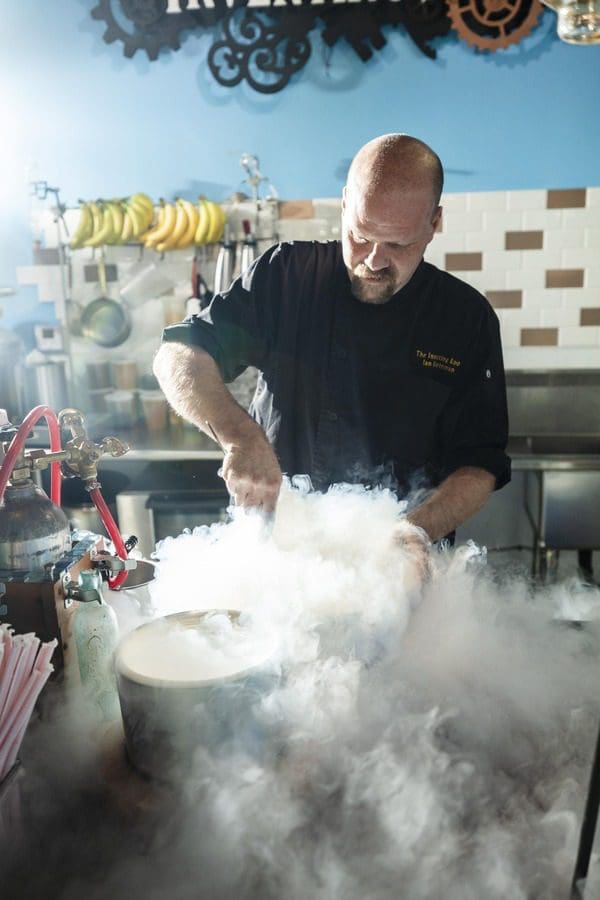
415 545
252 474
192 384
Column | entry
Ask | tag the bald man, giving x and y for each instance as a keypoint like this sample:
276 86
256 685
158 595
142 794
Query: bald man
376 367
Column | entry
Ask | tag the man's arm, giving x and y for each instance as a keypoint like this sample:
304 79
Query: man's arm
192 384
454 501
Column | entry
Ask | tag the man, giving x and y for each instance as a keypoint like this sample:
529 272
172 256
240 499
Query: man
376 367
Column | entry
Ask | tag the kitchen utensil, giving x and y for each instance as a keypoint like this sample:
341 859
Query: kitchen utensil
124 374
193 680
98 375
105 321
154 409
248 254
46 381
121 408
200 291
225 264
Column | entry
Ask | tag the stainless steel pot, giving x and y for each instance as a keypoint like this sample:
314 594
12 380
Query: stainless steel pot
166 719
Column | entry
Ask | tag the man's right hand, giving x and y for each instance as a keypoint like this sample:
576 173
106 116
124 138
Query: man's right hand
252 474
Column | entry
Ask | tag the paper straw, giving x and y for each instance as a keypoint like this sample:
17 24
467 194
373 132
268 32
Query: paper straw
24 669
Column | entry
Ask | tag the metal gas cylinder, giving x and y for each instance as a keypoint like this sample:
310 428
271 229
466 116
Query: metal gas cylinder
33 531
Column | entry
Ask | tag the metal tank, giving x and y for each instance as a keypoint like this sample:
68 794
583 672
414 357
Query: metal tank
33 531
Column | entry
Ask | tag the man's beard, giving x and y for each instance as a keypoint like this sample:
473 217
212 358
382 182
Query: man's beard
377 291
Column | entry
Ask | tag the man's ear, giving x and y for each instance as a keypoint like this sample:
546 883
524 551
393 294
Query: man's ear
344 198
436 218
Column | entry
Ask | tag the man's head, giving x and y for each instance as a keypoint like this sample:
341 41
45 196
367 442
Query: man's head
390 210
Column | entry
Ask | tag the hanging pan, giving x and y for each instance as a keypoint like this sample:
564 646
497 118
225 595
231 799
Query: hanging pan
105 321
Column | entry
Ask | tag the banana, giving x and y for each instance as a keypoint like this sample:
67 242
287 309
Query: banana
217 222
84 228
203 221
103 232
160 220
144 202
180 227
144 209
164 227
187 238
115 209
138 221
127 230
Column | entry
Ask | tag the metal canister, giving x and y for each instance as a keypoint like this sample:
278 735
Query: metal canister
46 381
225 264
34 532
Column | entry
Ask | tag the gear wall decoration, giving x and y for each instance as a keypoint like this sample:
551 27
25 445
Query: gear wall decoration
493 24
266 47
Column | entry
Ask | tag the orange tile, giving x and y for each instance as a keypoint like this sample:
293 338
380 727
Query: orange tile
505 299
539 337
523 240
464 262
564 278
590 316
566 199
296 209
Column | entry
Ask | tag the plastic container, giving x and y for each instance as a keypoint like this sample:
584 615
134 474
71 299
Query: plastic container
146 281
155 410
98 375
121 407
124 374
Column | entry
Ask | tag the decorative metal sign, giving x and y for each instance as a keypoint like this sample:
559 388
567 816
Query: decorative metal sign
265 42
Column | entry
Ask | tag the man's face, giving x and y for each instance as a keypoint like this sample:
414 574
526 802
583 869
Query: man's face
384 238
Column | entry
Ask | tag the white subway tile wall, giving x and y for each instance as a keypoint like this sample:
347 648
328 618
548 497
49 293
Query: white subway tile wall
535 254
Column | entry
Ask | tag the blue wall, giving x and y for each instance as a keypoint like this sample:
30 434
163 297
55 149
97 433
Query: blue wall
80 115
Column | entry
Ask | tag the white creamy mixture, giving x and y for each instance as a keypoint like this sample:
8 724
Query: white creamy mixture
167 651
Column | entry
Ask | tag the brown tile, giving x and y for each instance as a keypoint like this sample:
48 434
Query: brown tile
464 262
90 273
539 337
590 316
523 240
505 299
296 209
564 278
567 199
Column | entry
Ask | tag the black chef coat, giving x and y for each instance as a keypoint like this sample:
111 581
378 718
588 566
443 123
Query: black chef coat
399 394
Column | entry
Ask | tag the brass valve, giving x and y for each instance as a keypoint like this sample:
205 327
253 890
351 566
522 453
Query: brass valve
83 453
79 455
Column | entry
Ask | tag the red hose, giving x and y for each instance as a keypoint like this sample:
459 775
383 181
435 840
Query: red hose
114 534
18 442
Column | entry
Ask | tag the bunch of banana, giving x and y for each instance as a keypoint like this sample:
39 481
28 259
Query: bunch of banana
112 221
211 222
182 224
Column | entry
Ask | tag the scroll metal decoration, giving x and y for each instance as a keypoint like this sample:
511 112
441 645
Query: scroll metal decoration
264 43
260 51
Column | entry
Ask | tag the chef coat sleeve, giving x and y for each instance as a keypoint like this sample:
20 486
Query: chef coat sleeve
236 329
474 425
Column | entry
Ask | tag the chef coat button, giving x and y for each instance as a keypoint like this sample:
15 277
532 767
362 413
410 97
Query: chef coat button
332 415
488 373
